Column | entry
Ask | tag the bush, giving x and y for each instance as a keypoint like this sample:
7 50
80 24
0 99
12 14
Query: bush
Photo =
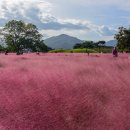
83 50
57 50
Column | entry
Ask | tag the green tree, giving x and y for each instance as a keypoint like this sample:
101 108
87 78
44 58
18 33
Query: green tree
77 45
88 44
100 44
85 44
123 38
19 35
1 48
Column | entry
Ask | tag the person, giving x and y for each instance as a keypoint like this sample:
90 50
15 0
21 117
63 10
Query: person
115 52
6 52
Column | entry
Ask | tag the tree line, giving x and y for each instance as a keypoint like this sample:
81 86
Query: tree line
90 44
20 36
123 41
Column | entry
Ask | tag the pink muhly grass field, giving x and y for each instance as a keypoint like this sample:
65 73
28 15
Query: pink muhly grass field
64 92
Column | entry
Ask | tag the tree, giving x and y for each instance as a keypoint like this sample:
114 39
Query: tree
19 35
123 38
87 44
99 44
77 45
1 48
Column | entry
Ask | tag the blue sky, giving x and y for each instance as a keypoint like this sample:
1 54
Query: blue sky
85 19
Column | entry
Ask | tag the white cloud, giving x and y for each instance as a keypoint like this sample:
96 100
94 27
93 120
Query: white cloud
96 33
13 8
123 4
106 31
41 13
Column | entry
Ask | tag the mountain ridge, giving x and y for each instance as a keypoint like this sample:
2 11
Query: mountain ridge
65 41
111 43
62 41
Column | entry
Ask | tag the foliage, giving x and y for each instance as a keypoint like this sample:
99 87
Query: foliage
1 48
83 50
58 50
123 38
99 45
104 49
77 45
89 44
78 50
85 44
19 35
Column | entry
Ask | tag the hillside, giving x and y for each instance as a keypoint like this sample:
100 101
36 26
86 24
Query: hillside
62 41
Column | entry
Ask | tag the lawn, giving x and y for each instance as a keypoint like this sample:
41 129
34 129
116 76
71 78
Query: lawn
64 92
